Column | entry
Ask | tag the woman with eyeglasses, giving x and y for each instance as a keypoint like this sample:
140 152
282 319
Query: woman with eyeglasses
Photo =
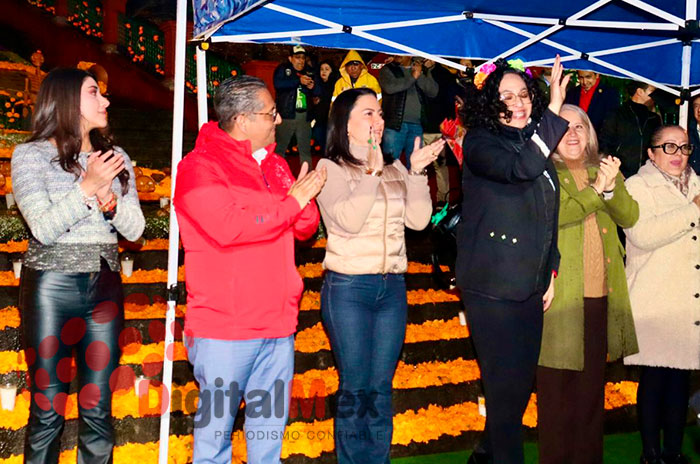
507 254
590 319
663 273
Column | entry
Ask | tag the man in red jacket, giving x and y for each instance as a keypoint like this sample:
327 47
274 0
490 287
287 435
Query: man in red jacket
239 210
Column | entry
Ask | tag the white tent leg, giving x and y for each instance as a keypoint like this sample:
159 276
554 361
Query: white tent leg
685 84
691 13
173 248
202 85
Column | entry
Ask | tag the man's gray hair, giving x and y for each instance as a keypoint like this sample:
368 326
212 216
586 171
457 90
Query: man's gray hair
235 96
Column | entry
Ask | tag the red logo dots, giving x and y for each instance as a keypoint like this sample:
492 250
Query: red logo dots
59 403
29 356
156 330
73 331
130 340
97 355
48 347
42 401
122 378
152 365
105 312
42 380
89 396
66 370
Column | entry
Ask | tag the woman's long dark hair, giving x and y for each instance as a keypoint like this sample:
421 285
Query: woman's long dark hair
338 144
483 108
57 116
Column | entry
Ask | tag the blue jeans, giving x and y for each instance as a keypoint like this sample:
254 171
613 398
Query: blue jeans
395 142
261 369
365 317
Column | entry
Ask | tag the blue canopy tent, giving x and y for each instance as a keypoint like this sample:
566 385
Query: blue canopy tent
653 41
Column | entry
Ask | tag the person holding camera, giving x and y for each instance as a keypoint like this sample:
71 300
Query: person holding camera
295 87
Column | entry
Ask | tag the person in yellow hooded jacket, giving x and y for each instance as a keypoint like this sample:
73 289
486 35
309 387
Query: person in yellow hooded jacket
354 74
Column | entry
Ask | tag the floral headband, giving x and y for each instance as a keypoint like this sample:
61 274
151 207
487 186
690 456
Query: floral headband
488 68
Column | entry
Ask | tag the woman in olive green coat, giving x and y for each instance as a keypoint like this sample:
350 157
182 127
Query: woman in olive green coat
590 318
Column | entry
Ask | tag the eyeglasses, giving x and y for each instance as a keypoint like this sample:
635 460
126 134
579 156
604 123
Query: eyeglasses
273 114
671 148
509 97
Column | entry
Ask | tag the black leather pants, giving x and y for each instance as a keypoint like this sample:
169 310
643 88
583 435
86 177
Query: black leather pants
62 312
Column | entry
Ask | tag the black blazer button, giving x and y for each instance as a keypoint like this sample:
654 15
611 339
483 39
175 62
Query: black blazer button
697 266
695 237
697 322
697 295
692 224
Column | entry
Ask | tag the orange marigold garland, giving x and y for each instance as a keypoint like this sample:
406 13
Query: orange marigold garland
310 301
436 330
314 339
18 417
416 297
314 270
135 353
14 247
320 243
620 394
9 317
153 311
12 361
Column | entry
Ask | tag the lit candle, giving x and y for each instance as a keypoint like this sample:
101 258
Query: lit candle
17 267
141 385
482 406
10 199
8 392
127 265
462 318
164 201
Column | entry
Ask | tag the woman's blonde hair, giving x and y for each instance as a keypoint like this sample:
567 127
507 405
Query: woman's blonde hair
592 156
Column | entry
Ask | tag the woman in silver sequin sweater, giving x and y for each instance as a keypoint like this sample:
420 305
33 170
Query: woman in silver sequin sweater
76 192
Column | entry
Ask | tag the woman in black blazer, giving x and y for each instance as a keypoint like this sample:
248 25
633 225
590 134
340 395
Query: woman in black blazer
507 242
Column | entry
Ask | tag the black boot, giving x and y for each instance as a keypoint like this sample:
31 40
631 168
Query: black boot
674 459
479 457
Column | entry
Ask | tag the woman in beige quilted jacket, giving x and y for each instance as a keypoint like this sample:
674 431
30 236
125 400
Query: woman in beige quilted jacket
663 275
366 204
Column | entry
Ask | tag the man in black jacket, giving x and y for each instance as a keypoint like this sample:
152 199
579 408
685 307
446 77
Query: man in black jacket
594 97
626 132
295 87
405 83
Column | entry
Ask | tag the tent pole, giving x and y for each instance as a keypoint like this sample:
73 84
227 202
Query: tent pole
547 32
644 6
691 13
592 59
685 84
202 86
173 247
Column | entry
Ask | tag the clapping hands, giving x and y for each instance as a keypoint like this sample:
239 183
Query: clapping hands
307 185
422 157
607 174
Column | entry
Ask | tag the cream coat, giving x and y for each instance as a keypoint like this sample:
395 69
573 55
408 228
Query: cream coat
663 271
365 217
